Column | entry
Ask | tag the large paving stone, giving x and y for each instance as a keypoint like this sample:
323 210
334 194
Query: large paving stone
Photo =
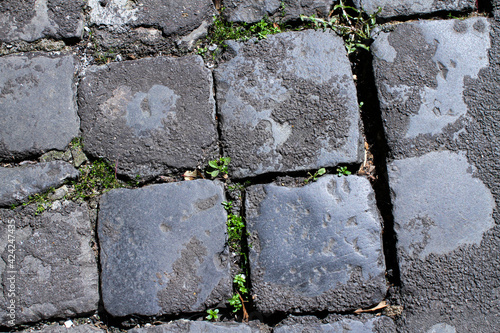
434 211
392 8
20 182
372 325
62 329
37 104
316 247
186 326
149 116
54 271
30 20
288 103
172 17
163 249
421 69
448 244
254 10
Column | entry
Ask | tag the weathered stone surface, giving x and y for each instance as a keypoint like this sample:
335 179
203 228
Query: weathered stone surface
149 116
54 268
62 329
288 103
373 325
420 72
316 247
37 104
162 249
172 17
30 20
392 8
434 211
19 183
186 326
254 10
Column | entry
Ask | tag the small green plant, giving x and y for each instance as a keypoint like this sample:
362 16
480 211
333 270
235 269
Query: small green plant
235 227
212 314
314 177
235 302
41 200
76 143
241 293
238 186
95 179
219 165
352 24
342 171
263 28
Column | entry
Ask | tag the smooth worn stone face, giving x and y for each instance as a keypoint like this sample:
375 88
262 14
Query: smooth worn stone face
420 68
288 103
29 20
185 326
163 249
316 247
63 329
373 325
438 204
19 183
54 272
251 11
392 8
37 104
173 17
149 116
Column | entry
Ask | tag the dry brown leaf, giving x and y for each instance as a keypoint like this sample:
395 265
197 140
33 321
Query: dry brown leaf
191 175
379 306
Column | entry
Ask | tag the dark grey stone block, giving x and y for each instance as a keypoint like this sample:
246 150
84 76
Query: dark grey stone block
372 325
254 10
185 326
163 249
54 271
19 183
288 103
420 72
149 116
62 329
37 104
172 17
316 247
392 8
30 20
434 211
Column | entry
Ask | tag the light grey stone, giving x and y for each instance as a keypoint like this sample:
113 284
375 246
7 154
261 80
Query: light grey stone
420 72
54 271
62 329
372 325
316 247
37 104
392 8
149 116
173 17
434 211
19 183
185 326
30 20
288 103
163 249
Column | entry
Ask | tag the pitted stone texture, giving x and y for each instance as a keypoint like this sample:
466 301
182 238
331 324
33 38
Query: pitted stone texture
392 8
62 329
434 211
19 183
251 11
29 20
149 116
162 249
372 325
56 271
316 247
37 104
172 17
420 72
288 103
185 326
